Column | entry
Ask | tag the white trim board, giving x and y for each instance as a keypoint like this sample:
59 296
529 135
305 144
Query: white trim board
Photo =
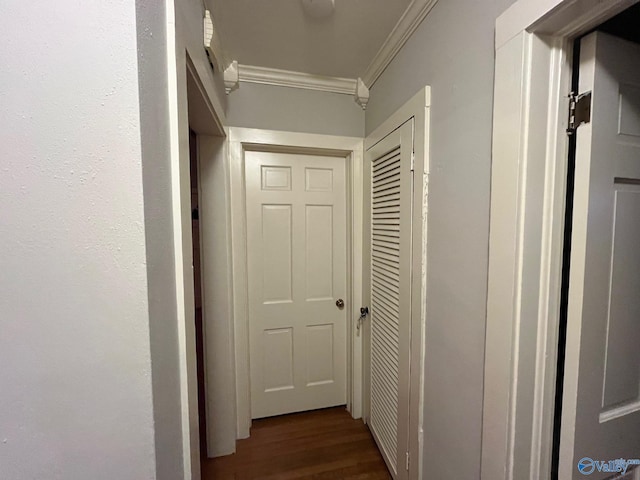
186 56
528 188
350 148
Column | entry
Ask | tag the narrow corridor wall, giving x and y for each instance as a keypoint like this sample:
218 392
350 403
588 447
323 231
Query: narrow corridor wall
453 52
75 366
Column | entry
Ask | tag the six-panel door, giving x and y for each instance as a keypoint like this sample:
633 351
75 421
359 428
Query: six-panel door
297 270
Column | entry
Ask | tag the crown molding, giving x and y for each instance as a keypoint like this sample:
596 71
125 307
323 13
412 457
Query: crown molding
307 81
231 77
288 78
361 94
212 43
408 23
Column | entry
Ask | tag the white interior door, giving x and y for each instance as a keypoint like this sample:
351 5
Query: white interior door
297 269
601 406
389 206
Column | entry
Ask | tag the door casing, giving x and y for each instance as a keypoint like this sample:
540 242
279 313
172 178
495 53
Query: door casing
186 72
528 184
241 140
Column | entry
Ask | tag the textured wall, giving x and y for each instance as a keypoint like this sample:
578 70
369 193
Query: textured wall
453 52
75 369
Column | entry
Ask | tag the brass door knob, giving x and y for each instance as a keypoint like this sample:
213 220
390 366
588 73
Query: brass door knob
340 303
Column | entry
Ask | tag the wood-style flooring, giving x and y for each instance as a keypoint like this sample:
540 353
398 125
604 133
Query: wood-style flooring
319 445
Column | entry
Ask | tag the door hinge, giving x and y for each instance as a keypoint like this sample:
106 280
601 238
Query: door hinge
413 160
407 458
579 111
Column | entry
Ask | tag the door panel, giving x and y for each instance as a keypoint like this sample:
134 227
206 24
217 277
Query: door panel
297 258
389 209
601 406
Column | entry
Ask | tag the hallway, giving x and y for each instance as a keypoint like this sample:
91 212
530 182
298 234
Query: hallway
323 444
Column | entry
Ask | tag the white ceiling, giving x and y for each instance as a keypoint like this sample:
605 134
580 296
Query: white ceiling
278 34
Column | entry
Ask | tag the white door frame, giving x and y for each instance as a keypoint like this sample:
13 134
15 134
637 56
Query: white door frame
351 149
187 58
529 167
417 108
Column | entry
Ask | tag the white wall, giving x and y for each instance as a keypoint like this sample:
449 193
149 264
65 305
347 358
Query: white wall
75 367
453 52
294 110
93 348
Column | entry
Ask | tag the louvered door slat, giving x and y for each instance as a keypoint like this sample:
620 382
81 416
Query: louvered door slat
387 270
390 277
385 211
384 330
384 305
387 303
387 195
386 276
387 247
381 184
383 291
384 260
387 340
390 224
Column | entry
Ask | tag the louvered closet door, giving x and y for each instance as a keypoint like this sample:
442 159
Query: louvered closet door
390 188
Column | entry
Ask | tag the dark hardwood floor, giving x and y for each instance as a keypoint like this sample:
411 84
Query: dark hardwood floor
323 444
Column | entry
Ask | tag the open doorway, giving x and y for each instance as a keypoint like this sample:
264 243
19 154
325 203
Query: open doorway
310 169
299 301
203 213
197 291
597 410
595 344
